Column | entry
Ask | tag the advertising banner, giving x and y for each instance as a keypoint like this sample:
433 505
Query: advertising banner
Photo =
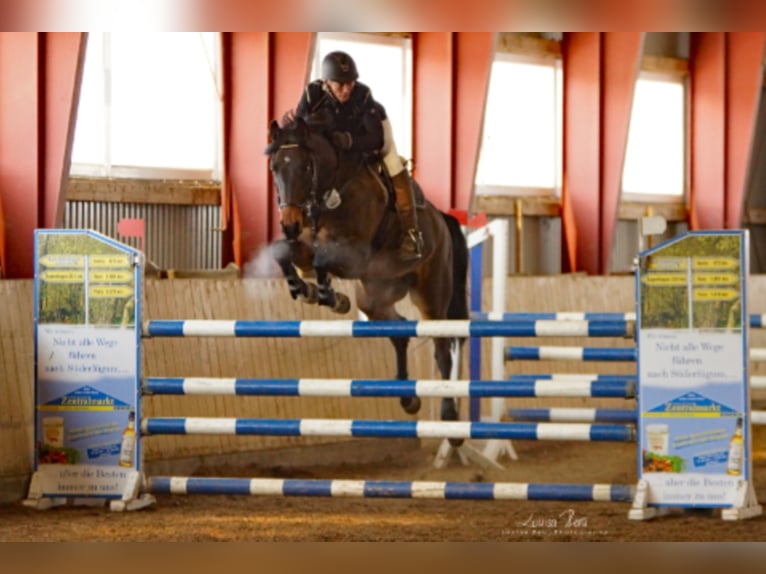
87 359
692 325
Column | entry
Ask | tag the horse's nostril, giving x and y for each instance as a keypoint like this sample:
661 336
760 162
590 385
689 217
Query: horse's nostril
291 230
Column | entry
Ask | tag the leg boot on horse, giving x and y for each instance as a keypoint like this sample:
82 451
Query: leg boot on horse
411 248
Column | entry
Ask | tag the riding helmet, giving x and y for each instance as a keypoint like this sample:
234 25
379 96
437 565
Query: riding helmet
339 67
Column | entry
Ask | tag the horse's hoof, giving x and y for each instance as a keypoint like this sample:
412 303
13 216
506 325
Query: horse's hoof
310 296
342 303
449 413
411 405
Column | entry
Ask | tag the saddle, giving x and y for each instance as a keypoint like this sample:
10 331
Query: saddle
379 171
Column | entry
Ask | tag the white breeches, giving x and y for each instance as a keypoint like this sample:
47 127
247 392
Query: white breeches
391 157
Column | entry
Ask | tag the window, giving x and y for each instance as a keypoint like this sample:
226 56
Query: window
521 139
149 106
385 65
655 156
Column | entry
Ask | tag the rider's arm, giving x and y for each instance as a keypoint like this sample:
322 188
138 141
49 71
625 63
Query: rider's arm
368 138
310 100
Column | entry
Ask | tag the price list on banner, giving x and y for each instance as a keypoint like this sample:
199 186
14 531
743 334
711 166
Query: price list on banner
693 393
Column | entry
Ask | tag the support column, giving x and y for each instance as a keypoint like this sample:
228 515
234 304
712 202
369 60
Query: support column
40 73
600 71
622 53
474 53
264 78
62 66
707 64
581 210
432 130
744 81
19 148
245 123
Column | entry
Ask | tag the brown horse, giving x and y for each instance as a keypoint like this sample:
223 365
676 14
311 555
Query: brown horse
338 219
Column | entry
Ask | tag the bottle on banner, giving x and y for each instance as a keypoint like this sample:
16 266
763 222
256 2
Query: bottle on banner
128 444
736 451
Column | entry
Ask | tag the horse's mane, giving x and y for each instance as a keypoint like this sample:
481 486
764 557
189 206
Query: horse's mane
316 124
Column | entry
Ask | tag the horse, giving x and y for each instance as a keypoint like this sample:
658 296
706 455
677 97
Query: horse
338 219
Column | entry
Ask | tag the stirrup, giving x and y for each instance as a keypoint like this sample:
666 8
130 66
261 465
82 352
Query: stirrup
411 247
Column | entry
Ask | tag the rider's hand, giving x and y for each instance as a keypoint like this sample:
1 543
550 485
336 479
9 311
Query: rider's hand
342 140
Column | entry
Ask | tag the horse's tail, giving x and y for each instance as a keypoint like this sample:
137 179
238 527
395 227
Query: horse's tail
458 305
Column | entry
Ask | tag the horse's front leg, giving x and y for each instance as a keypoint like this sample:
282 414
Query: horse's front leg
326 295
288 254
326 257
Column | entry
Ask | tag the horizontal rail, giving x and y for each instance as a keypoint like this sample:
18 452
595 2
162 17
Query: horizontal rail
560 414
522 387
552 316
757 321
388 429
441 328
551 353
571 353
390 489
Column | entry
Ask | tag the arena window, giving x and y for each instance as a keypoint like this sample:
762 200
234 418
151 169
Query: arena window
521 139
149 106
655 159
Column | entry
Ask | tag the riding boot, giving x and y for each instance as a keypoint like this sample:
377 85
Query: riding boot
412 241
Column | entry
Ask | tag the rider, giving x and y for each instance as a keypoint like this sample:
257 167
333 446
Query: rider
360 124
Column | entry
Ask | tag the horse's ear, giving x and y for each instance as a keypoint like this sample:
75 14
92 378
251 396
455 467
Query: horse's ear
273 130
301 125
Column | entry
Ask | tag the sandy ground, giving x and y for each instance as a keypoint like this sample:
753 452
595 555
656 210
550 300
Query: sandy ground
243 518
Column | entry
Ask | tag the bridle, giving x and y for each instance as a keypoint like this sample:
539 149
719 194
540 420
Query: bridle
314 182
311 205
316 197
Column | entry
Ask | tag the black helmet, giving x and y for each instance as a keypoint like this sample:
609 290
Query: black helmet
339 67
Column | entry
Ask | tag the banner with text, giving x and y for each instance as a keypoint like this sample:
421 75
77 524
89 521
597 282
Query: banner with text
87 358
693 369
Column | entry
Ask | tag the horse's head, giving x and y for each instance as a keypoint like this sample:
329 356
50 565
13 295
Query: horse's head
302 162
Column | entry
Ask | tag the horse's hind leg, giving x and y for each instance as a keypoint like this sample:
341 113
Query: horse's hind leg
443 356
411 405
376 300
285 253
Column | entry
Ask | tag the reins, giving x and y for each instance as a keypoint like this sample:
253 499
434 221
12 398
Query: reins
313 205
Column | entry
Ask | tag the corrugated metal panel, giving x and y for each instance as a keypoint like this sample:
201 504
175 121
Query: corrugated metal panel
177 236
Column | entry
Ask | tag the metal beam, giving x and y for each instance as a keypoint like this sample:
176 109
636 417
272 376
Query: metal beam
744 82
621 61
580 200
708 127
433 81
265 72
19 148
600 71
40 74
474 52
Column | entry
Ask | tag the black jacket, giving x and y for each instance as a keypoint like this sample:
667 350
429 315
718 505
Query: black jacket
361 115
